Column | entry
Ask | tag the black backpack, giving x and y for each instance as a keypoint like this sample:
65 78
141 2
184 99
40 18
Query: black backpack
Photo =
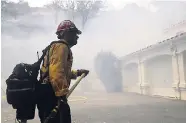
21 84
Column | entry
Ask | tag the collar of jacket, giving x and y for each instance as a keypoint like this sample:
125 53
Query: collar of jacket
65 42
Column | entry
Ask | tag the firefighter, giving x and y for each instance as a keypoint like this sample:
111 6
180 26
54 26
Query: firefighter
56 74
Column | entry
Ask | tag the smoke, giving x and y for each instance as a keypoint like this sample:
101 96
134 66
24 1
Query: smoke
127 30
118 31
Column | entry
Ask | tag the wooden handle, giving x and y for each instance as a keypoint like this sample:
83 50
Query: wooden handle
75 85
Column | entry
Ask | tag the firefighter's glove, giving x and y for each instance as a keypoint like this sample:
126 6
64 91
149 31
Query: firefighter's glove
82 71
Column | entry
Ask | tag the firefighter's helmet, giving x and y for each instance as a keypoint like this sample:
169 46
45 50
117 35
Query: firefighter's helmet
67 25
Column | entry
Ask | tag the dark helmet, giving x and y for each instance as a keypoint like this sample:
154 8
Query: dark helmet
67 25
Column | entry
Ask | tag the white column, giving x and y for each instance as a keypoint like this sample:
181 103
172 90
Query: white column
139 75
181 70
142 74
178 71
179 79
175 68
144 86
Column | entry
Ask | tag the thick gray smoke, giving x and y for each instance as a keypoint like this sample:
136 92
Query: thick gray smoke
118 31
108 69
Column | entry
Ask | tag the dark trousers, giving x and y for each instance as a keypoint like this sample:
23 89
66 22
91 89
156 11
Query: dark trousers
47 100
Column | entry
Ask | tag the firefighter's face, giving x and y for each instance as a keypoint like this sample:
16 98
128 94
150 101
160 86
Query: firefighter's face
72 37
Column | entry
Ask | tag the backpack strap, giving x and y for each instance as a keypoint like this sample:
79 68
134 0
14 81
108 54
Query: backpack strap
48 48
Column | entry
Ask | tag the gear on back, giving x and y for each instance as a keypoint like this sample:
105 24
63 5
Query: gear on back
21 85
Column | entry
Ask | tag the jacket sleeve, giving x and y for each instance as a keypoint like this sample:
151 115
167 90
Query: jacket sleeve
57 69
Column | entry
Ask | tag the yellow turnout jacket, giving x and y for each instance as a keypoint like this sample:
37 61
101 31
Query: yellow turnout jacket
56 68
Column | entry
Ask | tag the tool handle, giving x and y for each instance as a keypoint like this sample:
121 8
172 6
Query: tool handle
75 85
55 110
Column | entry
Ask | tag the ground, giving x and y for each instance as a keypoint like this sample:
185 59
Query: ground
117 108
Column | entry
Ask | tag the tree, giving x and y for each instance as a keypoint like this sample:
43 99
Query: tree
23 7
9 9
13 10
83 9
56 6
69 8
3 9
88 9
108 68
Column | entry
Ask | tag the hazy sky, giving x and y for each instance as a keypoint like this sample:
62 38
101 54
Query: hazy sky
113 3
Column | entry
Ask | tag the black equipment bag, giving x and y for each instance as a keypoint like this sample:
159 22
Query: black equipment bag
20 91
21 85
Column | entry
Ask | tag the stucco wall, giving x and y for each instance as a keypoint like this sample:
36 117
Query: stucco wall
130 75
159 71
